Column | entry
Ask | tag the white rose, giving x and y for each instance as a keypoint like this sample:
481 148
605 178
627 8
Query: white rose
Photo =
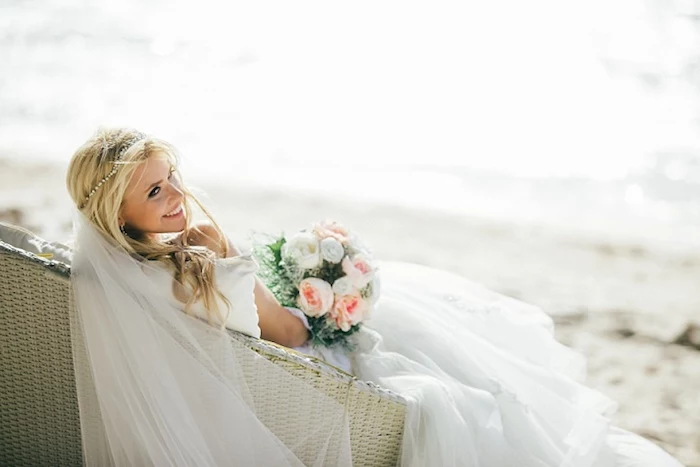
343 286
303 249
315 296
331 250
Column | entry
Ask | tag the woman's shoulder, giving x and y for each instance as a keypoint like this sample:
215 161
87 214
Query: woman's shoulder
205 233
200 233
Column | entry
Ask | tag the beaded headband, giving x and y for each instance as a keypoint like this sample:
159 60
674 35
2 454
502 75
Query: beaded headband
106 147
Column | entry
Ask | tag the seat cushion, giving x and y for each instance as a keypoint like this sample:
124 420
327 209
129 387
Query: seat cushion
22 238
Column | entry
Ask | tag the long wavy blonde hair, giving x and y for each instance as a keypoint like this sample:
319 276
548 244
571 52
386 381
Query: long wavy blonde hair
193 265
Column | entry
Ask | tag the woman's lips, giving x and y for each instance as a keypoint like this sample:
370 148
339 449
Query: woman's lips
175 213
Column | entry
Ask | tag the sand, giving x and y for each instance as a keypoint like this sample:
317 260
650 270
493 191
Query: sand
631 307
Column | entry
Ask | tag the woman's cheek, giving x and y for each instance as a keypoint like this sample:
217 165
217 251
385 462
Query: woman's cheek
156 209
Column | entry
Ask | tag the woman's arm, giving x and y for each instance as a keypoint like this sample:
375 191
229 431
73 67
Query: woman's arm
276 323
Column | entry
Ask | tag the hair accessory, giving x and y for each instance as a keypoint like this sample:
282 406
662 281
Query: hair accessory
106 146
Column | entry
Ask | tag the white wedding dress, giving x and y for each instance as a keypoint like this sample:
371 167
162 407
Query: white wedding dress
487 383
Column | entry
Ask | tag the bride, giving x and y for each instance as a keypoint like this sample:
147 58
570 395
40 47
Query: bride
486 382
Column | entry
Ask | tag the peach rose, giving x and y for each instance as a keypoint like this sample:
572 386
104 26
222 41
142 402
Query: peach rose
358 270
331 229
315 296
348 311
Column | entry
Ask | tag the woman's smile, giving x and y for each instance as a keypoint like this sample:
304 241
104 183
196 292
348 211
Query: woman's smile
177 212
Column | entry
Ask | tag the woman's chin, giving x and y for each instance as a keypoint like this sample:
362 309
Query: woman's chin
172 227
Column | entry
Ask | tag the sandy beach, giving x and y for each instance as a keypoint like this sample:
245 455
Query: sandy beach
631 307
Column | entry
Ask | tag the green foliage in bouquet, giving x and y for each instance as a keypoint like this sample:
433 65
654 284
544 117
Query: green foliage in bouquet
274 273
326 335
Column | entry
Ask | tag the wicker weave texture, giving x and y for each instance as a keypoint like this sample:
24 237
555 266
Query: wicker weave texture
39 422
39 419
376 422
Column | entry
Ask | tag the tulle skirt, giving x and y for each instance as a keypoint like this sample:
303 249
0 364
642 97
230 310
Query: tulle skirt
487 383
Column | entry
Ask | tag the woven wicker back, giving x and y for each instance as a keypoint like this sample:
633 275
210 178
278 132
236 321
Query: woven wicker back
39 419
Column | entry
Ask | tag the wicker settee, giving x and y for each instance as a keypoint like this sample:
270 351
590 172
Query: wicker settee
39 418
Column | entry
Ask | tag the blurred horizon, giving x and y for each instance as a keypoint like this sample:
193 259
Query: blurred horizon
573 112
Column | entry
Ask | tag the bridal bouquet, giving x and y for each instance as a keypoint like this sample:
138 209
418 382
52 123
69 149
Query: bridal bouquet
325 272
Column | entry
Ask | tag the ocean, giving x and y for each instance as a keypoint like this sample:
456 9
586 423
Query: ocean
574 113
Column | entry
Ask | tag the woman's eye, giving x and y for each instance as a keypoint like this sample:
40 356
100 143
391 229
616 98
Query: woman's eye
154 192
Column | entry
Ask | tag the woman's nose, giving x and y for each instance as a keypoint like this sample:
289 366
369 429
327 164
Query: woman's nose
175 191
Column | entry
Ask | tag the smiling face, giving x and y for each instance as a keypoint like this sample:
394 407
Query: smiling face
153 201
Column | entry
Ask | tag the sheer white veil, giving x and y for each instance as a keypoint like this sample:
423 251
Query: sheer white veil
158 387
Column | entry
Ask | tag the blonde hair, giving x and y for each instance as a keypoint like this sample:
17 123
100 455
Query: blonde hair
93 161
